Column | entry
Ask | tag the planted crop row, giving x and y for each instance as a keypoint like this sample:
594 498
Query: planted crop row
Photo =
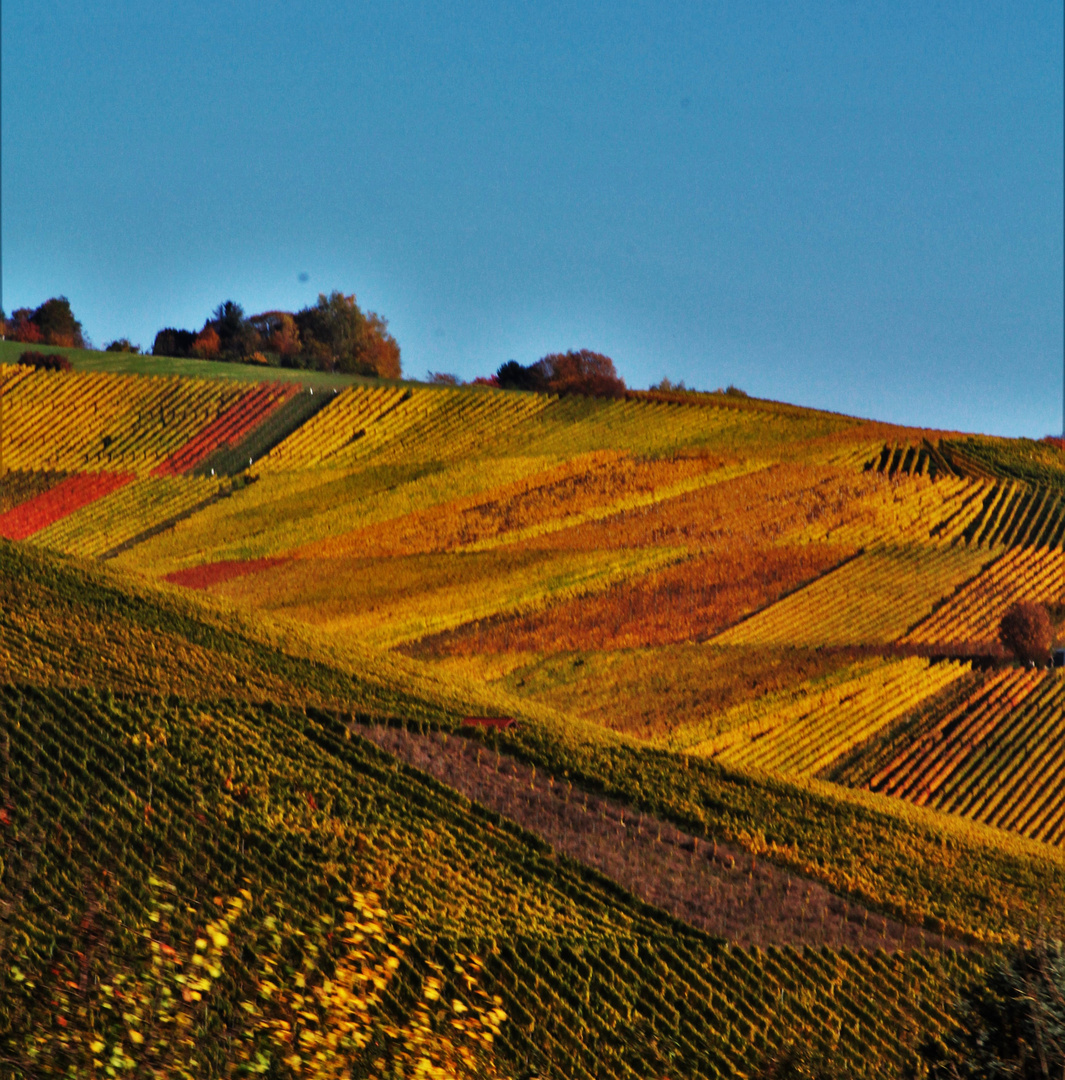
442 425
627 1008
121 515
907 510
343 420
910 460
1015 514
62 625
574 425
810 732
873 599
87 422
996 757
431 425
593 983
58 502
274 427
1040 462
430 594
18 485
1010 512
228 429
973 615
585 488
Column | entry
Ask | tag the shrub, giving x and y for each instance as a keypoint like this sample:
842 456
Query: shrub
444 378
44 361
582 372
574 372
1025 631
515 376
121 345
1012 1022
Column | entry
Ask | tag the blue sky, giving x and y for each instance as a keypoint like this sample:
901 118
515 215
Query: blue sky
850 205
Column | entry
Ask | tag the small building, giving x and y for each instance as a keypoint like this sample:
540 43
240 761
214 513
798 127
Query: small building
1057 658
501 723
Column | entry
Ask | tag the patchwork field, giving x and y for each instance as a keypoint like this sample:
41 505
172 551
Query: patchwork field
774 788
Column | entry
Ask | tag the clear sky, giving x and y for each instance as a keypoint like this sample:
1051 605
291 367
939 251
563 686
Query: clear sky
852 205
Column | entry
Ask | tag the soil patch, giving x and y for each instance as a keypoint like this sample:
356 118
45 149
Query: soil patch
717 887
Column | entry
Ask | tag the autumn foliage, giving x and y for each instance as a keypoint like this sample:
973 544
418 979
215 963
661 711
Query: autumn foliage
334 334
574 372
1026 631
52 323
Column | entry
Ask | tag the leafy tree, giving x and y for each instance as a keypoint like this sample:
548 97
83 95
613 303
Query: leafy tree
279 333
57 324
332 330
1026 631
380 350
52 323
171 342
575 372
333 335
1011 1023
21 327
208 344
666 385
237 337
582 372
515 376
337 336
444 378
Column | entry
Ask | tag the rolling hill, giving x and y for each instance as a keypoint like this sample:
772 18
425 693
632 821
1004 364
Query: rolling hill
772 784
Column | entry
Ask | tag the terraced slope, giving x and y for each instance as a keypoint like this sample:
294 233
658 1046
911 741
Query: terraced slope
994 755
872 600
704 617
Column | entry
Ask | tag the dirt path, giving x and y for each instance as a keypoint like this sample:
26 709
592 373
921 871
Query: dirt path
714 886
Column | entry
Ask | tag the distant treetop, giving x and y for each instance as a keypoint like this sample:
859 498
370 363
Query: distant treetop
53 323
574 372
333 335
122 345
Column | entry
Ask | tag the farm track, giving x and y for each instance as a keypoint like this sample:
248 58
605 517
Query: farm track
716 887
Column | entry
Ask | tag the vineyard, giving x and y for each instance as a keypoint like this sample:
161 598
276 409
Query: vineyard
972 615
806 736
993 756
871 600
570 958
772 781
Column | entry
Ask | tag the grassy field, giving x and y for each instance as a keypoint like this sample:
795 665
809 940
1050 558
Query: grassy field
747 646
92 360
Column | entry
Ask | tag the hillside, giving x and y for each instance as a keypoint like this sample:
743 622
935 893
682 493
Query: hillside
772 782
